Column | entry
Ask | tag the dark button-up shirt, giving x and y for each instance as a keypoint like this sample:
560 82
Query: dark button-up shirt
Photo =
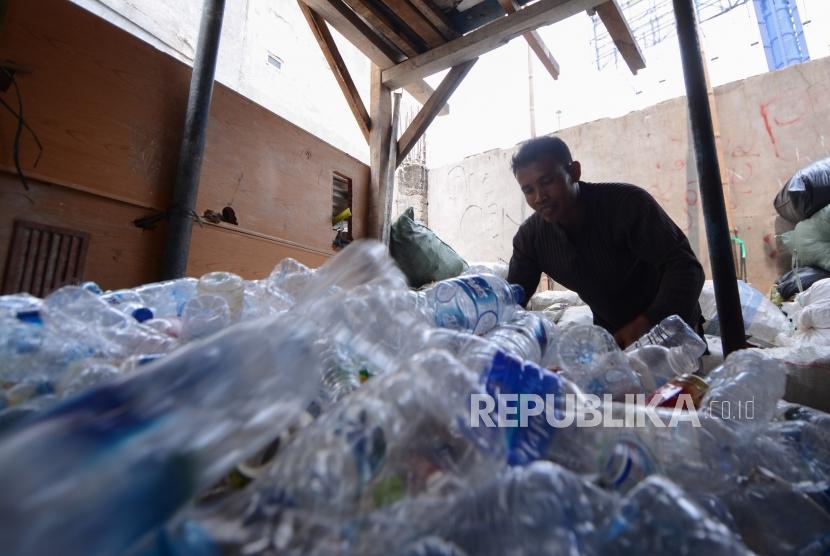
627 258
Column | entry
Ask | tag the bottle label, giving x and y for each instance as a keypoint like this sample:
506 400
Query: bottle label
508 375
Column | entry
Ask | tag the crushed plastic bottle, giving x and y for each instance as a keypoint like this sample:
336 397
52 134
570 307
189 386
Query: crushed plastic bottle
657 517
529 337
167 299
589 357
746 388
173 429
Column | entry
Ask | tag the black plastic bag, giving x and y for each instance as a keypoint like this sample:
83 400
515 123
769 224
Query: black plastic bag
808 275
807 192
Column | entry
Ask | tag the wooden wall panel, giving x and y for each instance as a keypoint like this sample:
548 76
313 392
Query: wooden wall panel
120 255
216 247
109 111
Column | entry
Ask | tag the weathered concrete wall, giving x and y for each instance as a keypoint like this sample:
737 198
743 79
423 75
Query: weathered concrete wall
771 125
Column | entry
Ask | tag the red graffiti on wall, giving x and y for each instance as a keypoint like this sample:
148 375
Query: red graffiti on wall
768 127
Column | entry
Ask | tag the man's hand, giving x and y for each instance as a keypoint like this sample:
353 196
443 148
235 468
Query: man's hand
632 331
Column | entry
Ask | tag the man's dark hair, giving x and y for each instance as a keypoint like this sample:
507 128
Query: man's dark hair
539 148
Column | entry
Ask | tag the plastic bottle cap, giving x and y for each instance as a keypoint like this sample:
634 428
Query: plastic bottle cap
142 314
518 293
31 317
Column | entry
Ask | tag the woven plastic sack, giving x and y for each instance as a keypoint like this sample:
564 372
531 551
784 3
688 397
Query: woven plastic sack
421 254
807 192
810 240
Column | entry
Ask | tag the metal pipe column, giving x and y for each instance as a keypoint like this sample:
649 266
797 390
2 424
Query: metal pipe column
711 189
189 167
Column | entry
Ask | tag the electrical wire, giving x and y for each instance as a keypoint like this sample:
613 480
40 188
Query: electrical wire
21 124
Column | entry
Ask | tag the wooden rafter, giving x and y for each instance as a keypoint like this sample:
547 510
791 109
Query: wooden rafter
377 19
432 107
338 67
416 21
483 39
534 40
348 24
614 20
436 17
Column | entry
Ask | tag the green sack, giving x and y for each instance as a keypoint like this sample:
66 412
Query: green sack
810 240
421 254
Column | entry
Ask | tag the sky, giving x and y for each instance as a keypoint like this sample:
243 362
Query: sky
491 109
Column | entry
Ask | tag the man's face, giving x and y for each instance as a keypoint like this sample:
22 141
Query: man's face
548 188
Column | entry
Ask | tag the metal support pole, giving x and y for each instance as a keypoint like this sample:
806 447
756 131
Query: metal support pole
189 167
709 178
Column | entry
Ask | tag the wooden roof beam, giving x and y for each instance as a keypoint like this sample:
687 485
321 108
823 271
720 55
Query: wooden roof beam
338 67
377 19
614 20
534 40
429 110
484 39
438 19
416 21
353 29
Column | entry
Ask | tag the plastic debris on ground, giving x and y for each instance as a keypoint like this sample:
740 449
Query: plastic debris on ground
336 411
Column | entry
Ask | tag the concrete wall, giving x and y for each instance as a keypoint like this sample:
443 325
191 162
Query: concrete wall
770 125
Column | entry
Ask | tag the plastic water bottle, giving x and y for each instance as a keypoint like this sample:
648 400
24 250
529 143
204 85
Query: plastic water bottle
671 332
173 429
290 276
475 303
746 388
340 373
204 315
395 438
529 337
658 517
226 285
541 508
669 349
167 299
130 303
590 358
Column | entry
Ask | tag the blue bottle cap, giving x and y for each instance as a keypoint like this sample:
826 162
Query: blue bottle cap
30 317
518 293
142 313
92 287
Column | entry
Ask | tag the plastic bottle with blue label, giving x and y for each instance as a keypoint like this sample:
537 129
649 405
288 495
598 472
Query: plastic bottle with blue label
529 337
475 303
173 430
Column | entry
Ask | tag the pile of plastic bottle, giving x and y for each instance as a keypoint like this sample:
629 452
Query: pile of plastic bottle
345 401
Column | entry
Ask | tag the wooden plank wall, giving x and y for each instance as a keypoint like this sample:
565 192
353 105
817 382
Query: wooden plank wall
109 110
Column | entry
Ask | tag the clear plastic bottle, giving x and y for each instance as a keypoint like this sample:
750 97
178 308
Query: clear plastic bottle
746 388
658 517
173 429
475 303
671 332
290 277
527 336
204 315
226 285
167 299
589 357
395 438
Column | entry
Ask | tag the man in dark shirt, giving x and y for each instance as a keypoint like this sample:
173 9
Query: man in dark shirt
609 242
